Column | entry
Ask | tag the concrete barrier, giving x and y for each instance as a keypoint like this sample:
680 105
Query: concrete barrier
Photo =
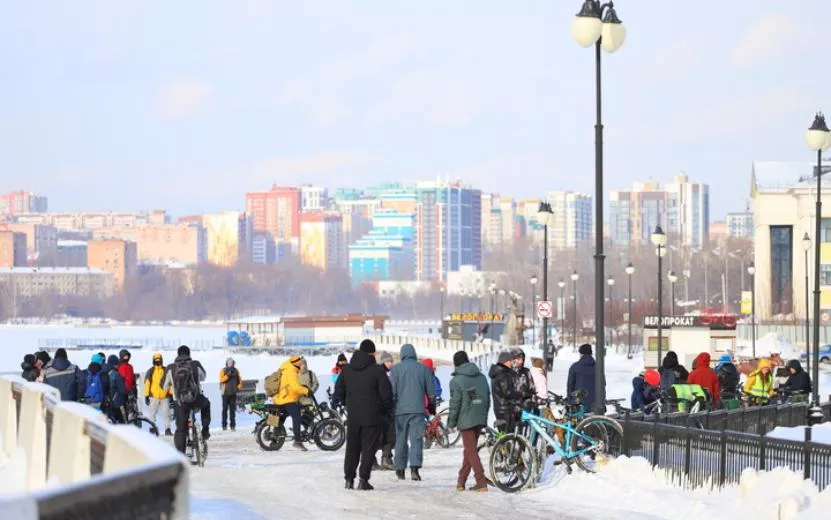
77 463
444 347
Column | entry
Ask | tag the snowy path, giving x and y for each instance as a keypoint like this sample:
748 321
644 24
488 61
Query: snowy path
241 479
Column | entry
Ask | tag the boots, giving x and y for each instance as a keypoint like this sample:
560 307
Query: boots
480 488
350 483
460 485
400 474
300 446
414 473
386 463
364 485
168 433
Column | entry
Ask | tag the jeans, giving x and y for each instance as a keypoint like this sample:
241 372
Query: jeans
157 405
229 404
470 457
293 409
183 415
409 440
361 445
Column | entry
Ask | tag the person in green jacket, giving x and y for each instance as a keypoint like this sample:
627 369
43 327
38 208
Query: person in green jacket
470 403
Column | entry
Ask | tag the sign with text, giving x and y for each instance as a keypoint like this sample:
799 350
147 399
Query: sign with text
706 321
747 302
476 316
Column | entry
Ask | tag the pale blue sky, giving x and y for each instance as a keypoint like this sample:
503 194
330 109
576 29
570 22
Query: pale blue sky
185 105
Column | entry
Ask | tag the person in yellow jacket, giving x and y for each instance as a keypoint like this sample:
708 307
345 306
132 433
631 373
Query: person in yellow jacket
759 383
288 397
155 395
230 382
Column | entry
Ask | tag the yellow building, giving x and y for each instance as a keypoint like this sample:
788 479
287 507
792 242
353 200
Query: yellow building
321 240
783 200
227 237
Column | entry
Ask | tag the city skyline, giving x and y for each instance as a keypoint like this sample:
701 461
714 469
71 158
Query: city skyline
393 91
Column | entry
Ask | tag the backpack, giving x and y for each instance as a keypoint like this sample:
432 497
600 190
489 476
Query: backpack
272 384
185 382
95 388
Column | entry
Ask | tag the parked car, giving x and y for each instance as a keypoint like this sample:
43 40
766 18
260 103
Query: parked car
824 354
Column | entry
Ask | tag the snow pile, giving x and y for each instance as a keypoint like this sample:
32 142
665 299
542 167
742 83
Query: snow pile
631 485
820 433
13 471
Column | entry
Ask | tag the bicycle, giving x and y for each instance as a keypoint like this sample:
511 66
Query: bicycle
437 431
130 414
514 462
194 441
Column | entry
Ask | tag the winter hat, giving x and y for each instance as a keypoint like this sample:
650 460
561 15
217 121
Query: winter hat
29 359
460 358
504 357
43 357
157 355
342 357
517 353
585 349
429 364
97 358
124 354
385 356
60 353
184 350
112 360
367 346
230 360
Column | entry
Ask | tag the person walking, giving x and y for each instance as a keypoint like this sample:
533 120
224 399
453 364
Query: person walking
388 434
64 376
288 397
581 376
365 389
155 395
411 381
230 382
469 406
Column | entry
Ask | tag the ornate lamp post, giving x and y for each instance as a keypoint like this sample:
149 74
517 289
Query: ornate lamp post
806 245
545 216
659 240
630 270
672 277
597 24
751 270
534 310
818 139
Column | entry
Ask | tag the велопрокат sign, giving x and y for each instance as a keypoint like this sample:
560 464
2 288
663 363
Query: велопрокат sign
722 322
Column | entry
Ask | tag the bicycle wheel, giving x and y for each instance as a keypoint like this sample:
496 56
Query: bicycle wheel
512 463
145 424
329 434
198 443
270 438
599 437
453 434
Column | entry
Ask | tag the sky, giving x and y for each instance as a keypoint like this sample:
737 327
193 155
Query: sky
186 105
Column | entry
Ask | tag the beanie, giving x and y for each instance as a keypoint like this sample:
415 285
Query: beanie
367 346
97 358
230 360
460 358
504 357
184 350
60 353
43 357
385 356
112 360
585 349
341 357
518 353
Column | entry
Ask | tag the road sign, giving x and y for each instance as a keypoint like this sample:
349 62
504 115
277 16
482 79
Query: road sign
545 309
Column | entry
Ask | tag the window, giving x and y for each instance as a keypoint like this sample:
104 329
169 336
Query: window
825 274
781 273
825 230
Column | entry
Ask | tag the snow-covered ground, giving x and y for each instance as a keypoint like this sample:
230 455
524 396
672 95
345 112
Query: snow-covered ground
819 433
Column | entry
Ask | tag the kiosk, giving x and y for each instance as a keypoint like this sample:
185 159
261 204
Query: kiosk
688 336
473 326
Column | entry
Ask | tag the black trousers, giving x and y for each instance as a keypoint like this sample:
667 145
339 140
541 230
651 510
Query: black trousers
183 414
293 409
229 404
361 445
388 438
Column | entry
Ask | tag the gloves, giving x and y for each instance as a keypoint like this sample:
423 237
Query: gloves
431 406
147 401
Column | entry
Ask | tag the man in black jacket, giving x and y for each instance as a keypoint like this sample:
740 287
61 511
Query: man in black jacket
799 382
581 376
506 397
364 387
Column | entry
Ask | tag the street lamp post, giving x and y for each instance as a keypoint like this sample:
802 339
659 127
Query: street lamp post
611 282
562 310
818 139
806 245
545 216
574 278
751 270
659 240
598 24
686 285
492 289
533 305
672 277
630 270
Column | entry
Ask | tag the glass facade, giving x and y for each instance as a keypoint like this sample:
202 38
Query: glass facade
781 269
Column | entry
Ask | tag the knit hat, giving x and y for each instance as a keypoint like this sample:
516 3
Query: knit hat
517 353
585 349
184 350
97 358
230 360
504 357
385 356
43 357
112 360
342 357
367 346
60 353
460 358
429 364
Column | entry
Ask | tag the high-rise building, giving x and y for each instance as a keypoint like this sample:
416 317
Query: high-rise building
162 243
402 200
263 250
21 202
386 252
93 219
527 219
313 198
227 237
276 212
41 242
321 240
740 224
12 249
448 229
682 209
572 222
118 257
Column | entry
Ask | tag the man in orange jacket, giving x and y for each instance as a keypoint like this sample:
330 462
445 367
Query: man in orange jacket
230 382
